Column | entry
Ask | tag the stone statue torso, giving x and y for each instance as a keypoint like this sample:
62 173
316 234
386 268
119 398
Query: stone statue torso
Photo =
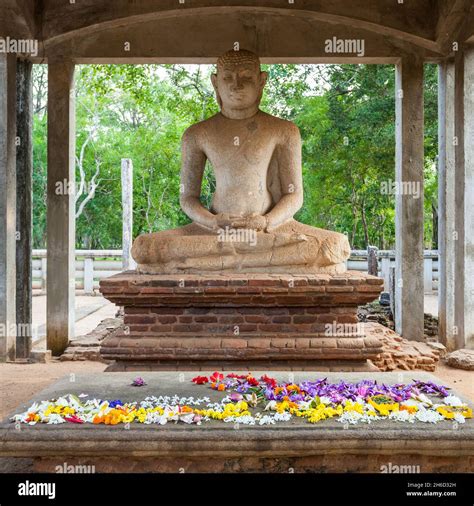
241 153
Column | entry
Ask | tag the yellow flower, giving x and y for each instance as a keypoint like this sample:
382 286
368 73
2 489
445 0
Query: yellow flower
446 412
383 408
466 412
450 411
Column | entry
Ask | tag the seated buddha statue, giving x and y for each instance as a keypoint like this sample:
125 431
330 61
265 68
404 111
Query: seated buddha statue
256 160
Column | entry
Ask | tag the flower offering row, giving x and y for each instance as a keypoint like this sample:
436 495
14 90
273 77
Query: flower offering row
262 401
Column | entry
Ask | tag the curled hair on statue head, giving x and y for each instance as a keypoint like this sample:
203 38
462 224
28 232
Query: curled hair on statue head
240 57
236 58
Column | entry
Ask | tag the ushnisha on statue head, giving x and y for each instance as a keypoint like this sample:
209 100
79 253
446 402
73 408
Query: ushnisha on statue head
239 83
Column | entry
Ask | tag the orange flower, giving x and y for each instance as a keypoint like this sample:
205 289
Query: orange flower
221 387
410 409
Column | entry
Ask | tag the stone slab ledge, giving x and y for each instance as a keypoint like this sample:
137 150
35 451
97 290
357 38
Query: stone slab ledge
351 288
296 438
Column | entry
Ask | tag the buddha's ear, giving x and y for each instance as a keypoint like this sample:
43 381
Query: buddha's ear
263 79
214 84
214 81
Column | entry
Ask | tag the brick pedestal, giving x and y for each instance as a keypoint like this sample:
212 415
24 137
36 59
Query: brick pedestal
252 321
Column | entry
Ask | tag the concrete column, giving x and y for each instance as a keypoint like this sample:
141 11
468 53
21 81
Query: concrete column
385 273
24 218
428 275
89 274
409 299
61 207
464 198
7 206
446 204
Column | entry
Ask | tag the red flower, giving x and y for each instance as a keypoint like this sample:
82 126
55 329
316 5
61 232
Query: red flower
236 376
73 419
252 381
272 382
217 376
200 380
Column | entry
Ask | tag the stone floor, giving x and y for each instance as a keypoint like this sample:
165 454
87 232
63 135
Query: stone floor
217 447
90 311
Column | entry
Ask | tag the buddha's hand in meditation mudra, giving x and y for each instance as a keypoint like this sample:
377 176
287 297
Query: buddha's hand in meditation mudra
256 160
254 221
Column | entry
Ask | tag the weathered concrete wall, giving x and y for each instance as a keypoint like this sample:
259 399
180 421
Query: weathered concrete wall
273 28
274 35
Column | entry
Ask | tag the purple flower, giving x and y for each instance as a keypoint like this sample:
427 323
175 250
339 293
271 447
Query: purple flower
138 382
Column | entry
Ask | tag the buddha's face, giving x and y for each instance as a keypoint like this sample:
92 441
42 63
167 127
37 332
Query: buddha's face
239 86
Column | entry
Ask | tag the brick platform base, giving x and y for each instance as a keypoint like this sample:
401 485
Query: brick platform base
226 321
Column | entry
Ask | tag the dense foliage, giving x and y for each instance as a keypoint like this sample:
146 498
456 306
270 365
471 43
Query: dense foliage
346 114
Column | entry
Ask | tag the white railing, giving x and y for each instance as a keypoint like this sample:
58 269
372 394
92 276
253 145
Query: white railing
386 260
91 267
94 265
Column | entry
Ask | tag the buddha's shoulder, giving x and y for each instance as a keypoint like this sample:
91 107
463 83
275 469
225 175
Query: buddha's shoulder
199 131
196 128
282 126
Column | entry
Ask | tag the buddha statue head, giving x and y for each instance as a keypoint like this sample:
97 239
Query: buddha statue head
239 83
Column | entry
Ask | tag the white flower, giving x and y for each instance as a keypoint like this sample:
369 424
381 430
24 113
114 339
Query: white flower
62 401
402 416
351 417
428 415
271 406
188 418
459 418
452 400
425 399
282 417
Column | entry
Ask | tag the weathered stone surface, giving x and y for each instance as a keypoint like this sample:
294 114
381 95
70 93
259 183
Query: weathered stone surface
400 353
461 359
88 347
326 446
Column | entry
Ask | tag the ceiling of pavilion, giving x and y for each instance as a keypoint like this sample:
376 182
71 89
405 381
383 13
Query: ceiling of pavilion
199 30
